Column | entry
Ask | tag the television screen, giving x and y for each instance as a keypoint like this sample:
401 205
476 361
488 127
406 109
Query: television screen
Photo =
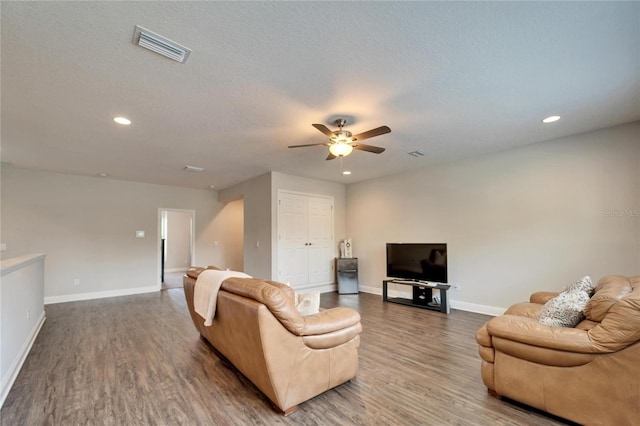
417 261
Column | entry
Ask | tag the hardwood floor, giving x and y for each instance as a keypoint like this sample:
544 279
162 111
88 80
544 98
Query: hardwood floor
172 280
139 360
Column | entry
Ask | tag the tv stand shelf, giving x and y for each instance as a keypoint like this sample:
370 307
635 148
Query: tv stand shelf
422 295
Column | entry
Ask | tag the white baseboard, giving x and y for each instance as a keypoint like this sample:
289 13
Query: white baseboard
99 294
322 288
16 365
371 290
455 304
478 309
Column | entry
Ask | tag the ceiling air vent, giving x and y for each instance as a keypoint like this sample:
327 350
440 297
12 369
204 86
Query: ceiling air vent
162 45
417 153
193 169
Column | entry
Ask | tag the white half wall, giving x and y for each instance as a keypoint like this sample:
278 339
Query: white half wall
21 314
518 221
87 226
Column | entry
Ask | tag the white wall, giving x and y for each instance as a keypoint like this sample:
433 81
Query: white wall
517 221
231 236
87 226
178 241
256 194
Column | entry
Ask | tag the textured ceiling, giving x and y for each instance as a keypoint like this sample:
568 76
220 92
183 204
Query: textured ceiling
452 79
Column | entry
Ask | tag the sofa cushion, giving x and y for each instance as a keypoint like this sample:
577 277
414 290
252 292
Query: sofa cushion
609 291
525 309
308 303
566 309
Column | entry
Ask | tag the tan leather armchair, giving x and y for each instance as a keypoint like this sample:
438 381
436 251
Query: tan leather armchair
589 374
290 358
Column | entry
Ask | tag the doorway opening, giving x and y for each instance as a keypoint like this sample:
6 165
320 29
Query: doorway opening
176 245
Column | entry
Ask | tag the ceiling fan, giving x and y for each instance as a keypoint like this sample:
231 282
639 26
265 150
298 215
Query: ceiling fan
342 142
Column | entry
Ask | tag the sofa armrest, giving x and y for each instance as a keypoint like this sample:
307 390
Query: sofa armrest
529 331
542 297
330 320
333 339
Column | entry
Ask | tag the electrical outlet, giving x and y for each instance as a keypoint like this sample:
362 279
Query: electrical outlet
3 246
76 281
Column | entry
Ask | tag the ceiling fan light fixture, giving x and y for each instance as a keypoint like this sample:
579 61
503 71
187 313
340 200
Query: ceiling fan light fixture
342 136
340 149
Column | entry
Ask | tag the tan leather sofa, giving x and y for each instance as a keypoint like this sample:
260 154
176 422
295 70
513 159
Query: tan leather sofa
290 358
589 374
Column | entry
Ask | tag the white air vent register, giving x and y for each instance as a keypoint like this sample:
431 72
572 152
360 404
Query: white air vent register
161 45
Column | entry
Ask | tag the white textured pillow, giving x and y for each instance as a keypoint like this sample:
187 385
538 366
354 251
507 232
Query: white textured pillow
308 303
584 284
567 309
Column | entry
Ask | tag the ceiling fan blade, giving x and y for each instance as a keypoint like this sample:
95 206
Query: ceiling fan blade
331 156
324 129
371 133
369 148
309 144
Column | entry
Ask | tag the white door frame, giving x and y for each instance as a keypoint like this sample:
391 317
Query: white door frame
159 242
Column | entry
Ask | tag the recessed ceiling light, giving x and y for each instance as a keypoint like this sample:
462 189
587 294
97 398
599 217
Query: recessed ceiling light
211 186
346 172
122 120
103 174
551 119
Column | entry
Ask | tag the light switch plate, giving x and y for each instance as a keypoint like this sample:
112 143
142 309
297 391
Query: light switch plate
139 234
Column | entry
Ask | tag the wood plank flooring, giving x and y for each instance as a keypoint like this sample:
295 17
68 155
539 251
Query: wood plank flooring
138 360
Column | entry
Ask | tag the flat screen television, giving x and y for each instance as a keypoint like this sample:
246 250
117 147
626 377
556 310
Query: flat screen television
417 261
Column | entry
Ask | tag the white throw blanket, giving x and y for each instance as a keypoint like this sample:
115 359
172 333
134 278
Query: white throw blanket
205 294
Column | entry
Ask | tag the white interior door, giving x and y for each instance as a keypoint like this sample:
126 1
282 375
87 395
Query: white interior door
320 236
292 239
305 239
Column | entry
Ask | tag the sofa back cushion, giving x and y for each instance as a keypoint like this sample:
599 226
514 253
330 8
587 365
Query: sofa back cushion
273 296
616 307
609 291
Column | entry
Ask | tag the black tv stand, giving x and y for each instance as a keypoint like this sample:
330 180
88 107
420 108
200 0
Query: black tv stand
422 295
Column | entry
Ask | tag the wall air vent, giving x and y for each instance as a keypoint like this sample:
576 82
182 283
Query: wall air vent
417 153
161 45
